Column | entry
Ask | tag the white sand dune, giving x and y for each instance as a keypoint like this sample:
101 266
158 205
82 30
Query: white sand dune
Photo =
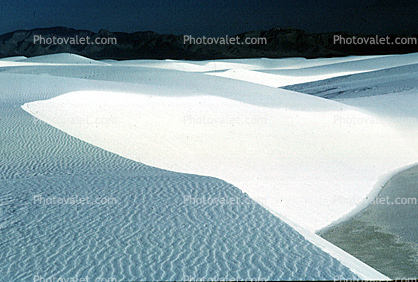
148 234
297 155
275 80
13 59
243 64
249 69
51 60
386 81
306 165
63 58
282 134
324 69
390 94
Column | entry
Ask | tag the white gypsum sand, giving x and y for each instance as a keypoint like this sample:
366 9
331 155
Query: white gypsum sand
297 155
209 156
306 165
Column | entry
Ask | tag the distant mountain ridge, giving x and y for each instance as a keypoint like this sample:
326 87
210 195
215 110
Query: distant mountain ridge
281 42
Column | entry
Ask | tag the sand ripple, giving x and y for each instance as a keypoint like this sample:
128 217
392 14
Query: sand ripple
150 233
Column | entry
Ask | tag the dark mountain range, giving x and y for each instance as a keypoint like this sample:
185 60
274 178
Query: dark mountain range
281 42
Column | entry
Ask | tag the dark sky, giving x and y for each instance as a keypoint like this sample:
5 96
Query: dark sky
212 17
